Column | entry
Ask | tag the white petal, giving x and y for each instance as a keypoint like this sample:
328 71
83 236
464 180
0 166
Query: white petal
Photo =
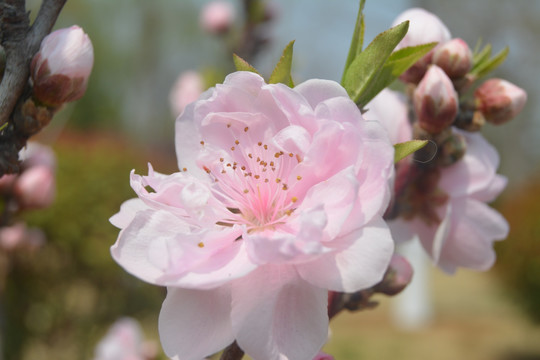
278 316
127 212
194 324
318 90
360 265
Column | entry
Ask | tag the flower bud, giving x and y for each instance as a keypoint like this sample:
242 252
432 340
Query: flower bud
454 57
435 101
185 90
12 236
217 17
35 187
397 277
499 100
424 27
61 68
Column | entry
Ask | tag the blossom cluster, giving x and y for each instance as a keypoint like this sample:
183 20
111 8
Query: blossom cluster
288 195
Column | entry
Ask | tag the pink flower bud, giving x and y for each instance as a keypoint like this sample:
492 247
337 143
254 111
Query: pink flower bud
454 57
187 89
217 17
61 68
323 356
397 277
35 187
6 182
424 27
500 100
12 236
435 101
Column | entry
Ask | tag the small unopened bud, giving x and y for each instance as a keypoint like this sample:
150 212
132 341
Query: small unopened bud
500 100
12 236
397 277
217 17
454 57
424 27
61 68
35 187
435 101
6 182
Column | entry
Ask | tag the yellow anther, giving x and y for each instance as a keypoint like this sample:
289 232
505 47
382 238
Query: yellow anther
201 244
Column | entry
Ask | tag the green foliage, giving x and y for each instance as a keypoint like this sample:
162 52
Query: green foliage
243 65
282 71
363 71
357 42
61 298
404 149
518 262
484 63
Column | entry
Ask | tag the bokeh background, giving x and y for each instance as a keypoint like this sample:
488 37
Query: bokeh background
59 301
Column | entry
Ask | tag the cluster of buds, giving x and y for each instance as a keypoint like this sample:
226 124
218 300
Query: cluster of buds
33 188
442 77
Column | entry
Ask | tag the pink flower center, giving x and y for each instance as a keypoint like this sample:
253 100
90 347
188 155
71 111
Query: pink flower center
252 181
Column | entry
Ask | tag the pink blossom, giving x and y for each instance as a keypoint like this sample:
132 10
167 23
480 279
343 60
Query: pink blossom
279 199
464 237
424 27
35 188
61 68
19 236
390 109
124 341
187 88
217 17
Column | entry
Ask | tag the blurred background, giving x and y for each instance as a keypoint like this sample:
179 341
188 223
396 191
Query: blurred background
59 300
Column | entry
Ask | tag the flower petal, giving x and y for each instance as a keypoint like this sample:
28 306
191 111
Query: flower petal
194 324
359 266
278 316
318 90
127 212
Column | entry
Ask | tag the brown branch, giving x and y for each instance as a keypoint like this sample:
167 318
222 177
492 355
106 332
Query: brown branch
232 352
21 42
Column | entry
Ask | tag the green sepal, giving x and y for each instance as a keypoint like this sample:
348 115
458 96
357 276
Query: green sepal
357 41
365 68
488 65
243 65
398 62
401 150
282 71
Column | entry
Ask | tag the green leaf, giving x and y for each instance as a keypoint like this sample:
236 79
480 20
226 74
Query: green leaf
489 65
480 57
398 62
406 148
357 41
282 71
367 65
243 65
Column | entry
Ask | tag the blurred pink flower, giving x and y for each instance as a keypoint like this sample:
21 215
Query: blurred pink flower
279 200
35 187
424 27
125 341
217 17
390 109
187 88
19 236
61 68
